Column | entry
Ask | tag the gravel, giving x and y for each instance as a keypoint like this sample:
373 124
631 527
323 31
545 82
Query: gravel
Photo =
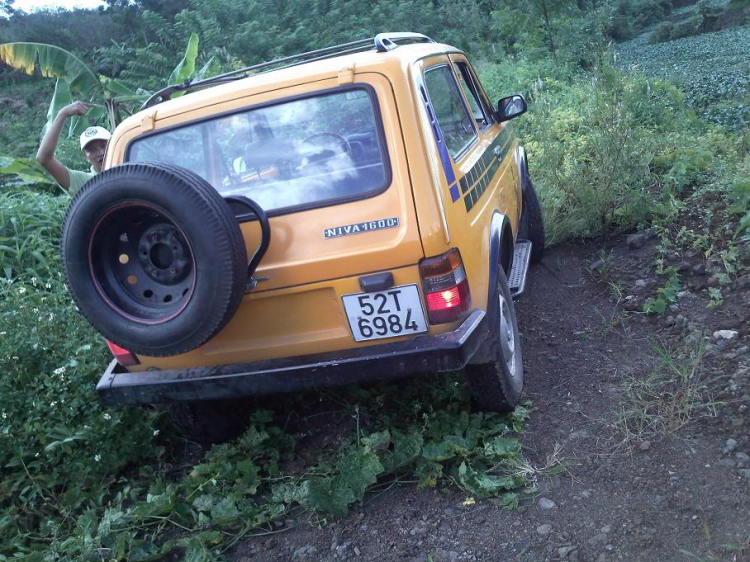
546 503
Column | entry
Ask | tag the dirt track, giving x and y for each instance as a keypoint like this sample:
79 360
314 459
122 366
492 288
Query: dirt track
666 497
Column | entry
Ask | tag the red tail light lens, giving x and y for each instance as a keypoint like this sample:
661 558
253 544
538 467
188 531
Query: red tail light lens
445 287
124 357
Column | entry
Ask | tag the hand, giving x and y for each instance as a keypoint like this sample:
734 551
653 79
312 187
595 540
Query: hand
76 108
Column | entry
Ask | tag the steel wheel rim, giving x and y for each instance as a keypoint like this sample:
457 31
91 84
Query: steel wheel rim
141 263
507 336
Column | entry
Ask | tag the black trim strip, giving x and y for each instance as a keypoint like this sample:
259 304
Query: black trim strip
423 354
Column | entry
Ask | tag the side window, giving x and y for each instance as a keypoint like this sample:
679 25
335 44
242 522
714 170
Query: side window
473 95
450 111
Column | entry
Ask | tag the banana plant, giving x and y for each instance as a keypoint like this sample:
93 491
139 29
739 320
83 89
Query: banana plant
113 100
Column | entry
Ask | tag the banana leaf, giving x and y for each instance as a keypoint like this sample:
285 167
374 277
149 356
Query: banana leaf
201 74
97 115
53 62
186 68
27 169
60 98
112 86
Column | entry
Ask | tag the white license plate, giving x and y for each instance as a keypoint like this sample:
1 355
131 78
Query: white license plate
385 314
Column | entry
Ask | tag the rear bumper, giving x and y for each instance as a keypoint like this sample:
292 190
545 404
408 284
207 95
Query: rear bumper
444 352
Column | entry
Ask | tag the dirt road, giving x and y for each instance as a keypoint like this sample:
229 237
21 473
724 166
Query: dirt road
657 484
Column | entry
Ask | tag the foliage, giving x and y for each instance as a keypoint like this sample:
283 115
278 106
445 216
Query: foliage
711 69
80 480
626 18
609 148
707 17
665 296
590 148
674 394
26 169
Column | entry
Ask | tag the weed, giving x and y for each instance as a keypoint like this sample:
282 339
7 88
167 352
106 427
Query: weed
671 396
715 296
665 296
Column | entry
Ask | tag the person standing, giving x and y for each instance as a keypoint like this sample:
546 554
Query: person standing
93 145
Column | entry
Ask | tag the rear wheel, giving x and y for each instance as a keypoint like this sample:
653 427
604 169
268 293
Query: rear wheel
211 421
496 385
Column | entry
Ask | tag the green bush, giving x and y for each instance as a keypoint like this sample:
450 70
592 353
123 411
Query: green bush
56 440
629 17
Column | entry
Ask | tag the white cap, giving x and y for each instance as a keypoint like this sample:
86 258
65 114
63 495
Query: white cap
94 133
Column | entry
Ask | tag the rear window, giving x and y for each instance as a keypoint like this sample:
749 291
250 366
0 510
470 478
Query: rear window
307 151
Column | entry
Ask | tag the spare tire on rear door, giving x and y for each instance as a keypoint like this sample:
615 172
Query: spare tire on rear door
154 258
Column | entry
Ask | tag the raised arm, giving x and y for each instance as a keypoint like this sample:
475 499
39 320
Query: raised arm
46 153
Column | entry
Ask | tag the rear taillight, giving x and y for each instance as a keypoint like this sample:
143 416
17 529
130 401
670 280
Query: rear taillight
445 287
124 357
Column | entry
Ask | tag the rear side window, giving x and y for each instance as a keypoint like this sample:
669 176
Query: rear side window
450 111
307 151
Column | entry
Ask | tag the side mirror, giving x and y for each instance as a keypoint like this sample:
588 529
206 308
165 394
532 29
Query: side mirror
510 107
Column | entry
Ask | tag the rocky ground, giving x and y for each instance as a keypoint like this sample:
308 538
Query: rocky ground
646 414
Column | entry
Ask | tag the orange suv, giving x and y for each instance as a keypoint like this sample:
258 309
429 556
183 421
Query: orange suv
351 214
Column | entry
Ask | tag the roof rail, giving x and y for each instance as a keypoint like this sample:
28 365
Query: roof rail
382 42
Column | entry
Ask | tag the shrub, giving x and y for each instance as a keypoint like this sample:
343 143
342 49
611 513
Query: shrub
56 440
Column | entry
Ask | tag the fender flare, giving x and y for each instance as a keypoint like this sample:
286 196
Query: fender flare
523 167
500 255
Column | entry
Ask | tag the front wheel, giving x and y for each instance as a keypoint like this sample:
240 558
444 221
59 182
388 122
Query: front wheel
496 386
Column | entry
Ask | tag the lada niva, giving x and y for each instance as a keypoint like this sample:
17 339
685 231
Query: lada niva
356 213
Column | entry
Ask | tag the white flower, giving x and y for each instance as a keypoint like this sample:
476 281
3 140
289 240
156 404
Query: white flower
5 416
47 286
51 316
156 432
97 458
3 333
35 310
107 416
36 456
33 281
22 290
59 370
52 404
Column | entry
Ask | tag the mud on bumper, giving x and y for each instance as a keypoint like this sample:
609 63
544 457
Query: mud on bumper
426 354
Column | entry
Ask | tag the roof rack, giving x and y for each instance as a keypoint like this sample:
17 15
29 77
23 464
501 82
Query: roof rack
382 42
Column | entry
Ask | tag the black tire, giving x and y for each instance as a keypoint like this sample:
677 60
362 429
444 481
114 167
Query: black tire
496 385
154 258
532 221
211 421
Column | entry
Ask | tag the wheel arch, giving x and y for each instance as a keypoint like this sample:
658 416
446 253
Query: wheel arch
500 255
523 166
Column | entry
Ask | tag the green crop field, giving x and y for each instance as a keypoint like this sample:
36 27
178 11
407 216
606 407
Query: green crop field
712 69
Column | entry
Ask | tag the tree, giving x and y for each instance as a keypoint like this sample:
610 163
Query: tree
534 21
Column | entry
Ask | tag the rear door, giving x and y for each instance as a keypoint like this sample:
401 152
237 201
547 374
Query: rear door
326 161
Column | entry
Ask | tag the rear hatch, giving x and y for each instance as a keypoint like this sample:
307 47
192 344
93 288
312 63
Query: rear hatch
327 162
